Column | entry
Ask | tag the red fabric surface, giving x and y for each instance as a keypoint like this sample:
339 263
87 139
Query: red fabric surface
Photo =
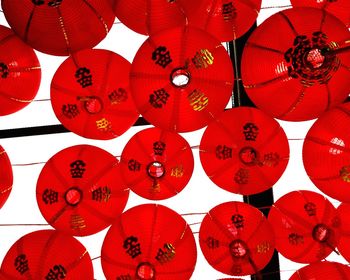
322 271
6 176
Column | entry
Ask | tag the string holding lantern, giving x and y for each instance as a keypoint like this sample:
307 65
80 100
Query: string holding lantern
20 73
149 242
59 27
297 71
90 94
181 78
6 177
244 151
236 239
306 226
47 254
322 271
80 190
156 164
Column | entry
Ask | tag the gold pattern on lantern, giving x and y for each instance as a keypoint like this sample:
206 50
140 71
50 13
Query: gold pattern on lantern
198 100
203 59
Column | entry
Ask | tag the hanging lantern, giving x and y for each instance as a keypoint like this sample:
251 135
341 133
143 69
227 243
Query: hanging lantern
344 244
20 73
236 239
322 271
225 19
60 27
325 153
296 72
149 242
244 151
90 94
157 164
149 17
47 254
339 8
80 191
181 78
306 226
6 176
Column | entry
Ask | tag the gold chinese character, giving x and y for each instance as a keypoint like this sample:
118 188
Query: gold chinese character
263 247
345 173
198 100
203 58
177 171
155 187
104 125
77 222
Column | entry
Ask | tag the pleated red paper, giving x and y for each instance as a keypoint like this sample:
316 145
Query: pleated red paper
236 239
181 78
90 94
80 190
344 240
157 164
225 19
47 254
326 154
244 151
6 176
339 8
20 73
293 72
322 271
306 226
149 242
149 17
59 27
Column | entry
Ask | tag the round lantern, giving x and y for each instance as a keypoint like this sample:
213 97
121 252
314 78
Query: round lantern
244 151
80 191
20 73
47 254
344 244
149 17
157 164
224 19
90 94
60 27
181 78
6 177
294 72
236 239
306 226
149 242
325 153
322 271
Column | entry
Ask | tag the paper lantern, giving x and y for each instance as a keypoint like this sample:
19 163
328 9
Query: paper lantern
344 229
47 254
90 94
181 78
294 72
80 191
149 17
59 27
322 271
20 73
236 239
244 151
305 225
149 242
325 154
157 164
6 176
226 20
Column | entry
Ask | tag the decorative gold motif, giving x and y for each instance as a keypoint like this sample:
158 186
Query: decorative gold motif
263 247
198 100
155 188
344 173
166 254
177 171
104 125
203 59
77 222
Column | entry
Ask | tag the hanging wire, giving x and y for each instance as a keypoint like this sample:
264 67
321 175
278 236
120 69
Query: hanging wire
276 7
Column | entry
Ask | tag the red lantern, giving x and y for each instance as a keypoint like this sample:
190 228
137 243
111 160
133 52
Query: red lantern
236 239
322 271
149 17
47 254
224 19
20 73
305 225
80 191
90 94
325 154
344 244
6 177
59 27
181 78
244 151
157 164
149 242
294 72
339 8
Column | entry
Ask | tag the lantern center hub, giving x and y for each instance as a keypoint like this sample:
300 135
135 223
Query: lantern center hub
92 104
321 233
248 156
314 58
180 77
145 271
238 248
156 169
73 196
